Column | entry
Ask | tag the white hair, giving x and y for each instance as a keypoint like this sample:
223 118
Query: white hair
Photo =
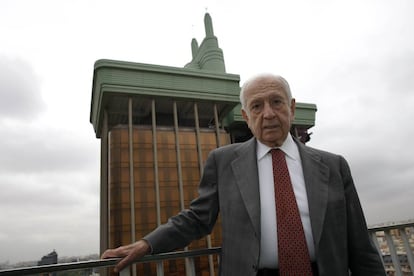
278 78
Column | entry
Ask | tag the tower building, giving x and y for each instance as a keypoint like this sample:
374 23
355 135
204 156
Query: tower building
157 125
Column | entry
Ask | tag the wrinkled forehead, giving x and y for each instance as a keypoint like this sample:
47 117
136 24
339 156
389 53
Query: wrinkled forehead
265 85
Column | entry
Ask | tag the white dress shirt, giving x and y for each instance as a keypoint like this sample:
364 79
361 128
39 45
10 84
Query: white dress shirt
268 243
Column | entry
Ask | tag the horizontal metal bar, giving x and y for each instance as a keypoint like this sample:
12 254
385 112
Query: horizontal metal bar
106 262
58 267
392 226
180 255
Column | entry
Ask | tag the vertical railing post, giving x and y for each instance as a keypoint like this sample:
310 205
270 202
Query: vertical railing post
160 268
191 267
125 271
407 248
393 252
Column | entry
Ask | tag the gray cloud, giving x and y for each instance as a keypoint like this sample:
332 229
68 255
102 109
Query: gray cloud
66 229
32 149
46 210
49 182
365 114
20 90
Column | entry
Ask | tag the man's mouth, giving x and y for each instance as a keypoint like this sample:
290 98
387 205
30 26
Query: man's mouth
271 127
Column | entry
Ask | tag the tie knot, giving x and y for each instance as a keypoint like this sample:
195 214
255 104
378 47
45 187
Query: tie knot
278 153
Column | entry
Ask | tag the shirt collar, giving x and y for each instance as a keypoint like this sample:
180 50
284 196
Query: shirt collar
289 147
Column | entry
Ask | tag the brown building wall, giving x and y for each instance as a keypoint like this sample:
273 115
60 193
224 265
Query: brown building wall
144 185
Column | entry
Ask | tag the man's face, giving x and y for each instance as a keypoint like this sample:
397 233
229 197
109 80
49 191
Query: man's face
268 112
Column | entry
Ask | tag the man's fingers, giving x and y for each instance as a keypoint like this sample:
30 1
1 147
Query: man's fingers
112 253
124 263
107 254
129 253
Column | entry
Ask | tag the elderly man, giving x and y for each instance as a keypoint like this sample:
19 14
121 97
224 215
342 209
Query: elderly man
286 209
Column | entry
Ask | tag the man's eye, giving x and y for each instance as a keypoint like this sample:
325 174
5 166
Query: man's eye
255 107
277 103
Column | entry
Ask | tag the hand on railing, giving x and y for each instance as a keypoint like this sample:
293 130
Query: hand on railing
129 253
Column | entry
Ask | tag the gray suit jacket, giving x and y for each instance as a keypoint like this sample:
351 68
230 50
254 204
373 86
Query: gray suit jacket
230 185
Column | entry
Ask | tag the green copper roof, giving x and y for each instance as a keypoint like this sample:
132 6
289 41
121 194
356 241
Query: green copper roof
203 80
114 80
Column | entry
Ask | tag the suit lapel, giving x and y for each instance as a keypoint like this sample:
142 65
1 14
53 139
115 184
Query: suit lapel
316 176
248 183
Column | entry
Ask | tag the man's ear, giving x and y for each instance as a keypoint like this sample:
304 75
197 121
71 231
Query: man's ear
292 108
245 117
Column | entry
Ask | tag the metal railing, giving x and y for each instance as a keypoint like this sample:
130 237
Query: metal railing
394 242
108 263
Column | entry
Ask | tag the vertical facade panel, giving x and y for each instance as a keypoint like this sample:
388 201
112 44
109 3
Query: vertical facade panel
145 206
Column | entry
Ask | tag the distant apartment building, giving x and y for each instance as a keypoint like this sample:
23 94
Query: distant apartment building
401 239
51 258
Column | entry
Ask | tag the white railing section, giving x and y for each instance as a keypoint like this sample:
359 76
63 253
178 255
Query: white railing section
396 245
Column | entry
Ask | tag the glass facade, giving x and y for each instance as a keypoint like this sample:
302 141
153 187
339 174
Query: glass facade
173 171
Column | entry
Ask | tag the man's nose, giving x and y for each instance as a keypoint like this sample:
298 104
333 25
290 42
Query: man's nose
268 111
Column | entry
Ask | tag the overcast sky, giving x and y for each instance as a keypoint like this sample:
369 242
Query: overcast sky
353 59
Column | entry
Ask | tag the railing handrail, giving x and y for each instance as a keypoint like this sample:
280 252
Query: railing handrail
58 267
106 262
390 226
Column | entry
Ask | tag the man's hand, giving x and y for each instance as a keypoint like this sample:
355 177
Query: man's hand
129 253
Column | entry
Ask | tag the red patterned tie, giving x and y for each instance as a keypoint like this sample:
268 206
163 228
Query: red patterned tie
293 252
